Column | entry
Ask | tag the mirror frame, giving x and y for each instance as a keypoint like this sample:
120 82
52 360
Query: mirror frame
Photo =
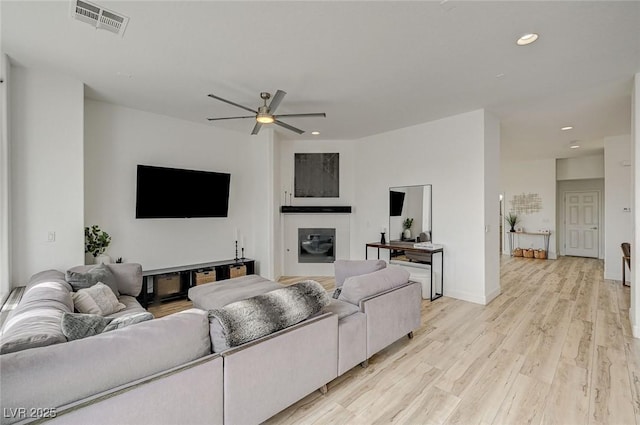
406 202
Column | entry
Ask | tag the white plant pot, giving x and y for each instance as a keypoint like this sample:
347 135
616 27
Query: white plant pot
103 259
407 233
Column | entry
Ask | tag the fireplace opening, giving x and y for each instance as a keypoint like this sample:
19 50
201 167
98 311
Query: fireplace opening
316 245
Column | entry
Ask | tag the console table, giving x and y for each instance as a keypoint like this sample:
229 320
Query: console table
408 246
186 275
545 235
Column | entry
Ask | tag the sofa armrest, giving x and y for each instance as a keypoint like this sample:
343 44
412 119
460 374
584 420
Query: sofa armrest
392 315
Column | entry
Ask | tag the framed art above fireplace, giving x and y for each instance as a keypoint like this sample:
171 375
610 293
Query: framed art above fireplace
317 175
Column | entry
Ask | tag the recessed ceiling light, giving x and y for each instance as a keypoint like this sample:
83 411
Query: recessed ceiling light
500 75
527 39
315 133
566 128
574 144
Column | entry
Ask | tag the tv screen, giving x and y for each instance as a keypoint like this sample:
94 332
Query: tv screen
396 201
177 193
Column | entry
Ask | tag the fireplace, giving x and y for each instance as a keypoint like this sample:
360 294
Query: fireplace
316 245
316 231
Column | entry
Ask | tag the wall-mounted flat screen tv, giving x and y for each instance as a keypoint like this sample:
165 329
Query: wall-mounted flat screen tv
396 202
177 193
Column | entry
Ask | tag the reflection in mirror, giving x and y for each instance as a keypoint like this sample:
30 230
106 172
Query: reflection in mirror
410 217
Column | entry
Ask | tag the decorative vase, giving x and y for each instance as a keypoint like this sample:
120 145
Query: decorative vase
407 233
103 259
512 229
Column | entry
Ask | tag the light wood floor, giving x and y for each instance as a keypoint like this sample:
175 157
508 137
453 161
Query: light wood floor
554 348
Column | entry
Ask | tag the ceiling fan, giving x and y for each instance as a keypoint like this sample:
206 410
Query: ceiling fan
265 113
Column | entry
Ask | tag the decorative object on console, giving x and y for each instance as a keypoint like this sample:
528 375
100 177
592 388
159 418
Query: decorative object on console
96 242
406 225
317 175
382 238
513 219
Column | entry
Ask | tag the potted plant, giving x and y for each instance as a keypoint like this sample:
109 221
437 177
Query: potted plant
96 242
512 219
406 225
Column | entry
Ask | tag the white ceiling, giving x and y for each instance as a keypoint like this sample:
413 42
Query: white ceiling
371 66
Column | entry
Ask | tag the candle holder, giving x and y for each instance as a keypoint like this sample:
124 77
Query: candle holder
236 259
242 258
382 238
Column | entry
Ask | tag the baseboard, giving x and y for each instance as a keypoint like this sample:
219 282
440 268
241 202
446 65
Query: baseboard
492 295
472 298
636 331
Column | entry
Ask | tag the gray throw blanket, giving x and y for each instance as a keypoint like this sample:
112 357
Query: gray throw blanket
246 320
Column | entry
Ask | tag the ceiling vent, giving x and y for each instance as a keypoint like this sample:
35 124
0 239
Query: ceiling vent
99 17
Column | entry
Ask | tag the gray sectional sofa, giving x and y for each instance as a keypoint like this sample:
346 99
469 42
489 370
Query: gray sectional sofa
166 371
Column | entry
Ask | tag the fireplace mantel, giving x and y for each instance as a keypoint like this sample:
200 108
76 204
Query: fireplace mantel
315 209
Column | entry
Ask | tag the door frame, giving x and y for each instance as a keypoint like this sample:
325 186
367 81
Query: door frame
563 197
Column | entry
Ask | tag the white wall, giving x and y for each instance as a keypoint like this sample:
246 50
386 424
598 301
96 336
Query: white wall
118 138
533 176
635 160
5 170
492 205
617 181
47 167
582 185
450 155
582 167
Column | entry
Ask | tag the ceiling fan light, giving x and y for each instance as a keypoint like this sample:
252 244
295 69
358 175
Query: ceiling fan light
265 119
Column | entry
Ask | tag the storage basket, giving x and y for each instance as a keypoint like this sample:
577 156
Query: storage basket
237 271
527 253
167 284
540 253
205 276
517 252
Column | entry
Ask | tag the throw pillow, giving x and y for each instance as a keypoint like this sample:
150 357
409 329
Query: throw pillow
99 273
76 326
129 319
99 299
79 325
255 317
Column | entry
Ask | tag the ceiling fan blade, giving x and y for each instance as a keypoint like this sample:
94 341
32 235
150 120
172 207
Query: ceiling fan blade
316 114
256 128
232 103
288 127
277 98
231 118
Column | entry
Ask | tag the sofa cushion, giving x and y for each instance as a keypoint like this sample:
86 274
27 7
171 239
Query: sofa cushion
35 322
64 373
341 308
131 306
100 273
347 268
128 320
128 276
357 288
253 318
49 276
218 294
98 299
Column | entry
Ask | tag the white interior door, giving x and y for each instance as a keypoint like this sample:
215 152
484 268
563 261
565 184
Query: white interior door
582 221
